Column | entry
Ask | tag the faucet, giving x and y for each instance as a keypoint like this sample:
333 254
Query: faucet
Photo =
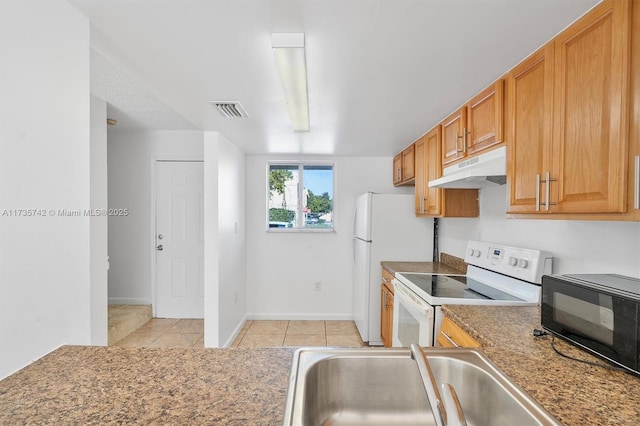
446 407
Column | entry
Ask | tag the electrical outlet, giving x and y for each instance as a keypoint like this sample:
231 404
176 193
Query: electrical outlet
317 286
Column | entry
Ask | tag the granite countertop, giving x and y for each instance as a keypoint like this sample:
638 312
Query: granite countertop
239 386
106 385
447 265
575 393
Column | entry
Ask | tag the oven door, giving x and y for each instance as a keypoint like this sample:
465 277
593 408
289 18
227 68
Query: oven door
413 318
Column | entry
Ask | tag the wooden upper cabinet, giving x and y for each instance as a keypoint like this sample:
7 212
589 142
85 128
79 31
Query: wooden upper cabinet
433 196
590 138
421 175
397 169
428 167
476 126
485 119
404 167
408 163
530 100
634 125
438 202
453 128
568 141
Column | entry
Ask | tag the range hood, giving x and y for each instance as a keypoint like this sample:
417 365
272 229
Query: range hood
486 169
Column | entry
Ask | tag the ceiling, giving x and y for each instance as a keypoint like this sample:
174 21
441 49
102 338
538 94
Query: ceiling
381 72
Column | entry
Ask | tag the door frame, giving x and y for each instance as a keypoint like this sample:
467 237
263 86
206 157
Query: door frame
153 231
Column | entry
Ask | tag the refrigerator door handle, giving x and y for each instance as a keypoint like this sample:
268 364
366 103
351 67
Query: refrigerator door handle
355 218
353 253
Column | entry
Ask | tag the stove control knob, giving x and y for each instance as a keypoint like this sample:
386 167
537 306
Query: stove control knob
513 261
523 263
470 252
476 253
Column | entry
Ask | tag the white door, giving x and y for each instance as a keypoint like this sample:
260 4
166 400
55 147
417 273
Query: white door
179 239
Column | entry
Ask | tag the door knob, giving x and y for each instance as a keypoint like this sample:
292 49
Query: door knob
160 248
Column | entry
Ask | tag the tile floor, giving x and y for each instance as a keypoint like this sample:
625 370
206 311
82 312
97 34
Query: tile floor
124 319
166 333
188 333
298 333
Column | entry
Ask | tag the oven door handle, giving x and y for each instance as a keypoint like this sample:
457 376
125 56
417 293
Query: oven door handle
412 302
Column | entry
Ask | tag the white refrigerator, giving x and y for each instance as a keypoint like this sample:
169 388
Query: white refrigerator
385 228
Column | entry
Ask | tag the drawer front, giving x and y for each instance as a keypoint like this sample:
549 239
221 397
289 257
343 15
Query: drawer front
387 277
452 335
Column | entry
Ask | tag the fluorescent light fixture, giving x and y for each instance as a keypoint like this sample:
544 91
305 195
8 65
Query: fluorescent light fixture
290 59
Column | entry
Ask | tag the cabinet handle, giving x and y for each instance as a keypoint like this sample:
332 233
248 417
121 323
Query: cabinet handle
399 173
537 192
636 193
384 300
548 181
546 200
422 205
464 140
450 339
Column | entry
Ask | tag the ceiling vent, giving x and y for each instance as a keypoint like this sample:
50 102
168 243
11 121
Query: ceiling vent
230 109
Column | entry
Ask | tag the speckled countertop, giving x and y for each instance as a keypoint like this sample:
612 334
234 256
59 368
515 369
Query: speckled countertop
575 393
243 386
447 265
114 385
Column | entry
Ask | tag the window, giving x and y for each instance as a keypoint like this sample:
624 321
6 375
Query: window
300 196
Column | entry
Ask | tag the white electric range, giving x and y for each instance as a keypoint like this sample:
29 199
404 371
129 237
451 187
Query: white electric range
497 275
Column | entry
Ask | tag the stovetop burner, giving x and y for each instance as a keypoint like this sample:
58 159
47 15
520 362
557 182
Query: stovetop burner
456 287
496 275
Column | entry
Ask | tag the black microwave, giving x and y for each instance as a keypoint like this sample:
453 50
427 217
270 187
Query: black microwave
597 312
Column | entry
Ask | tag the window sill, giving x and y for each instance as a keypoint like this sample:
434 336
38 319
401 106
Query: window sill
301 230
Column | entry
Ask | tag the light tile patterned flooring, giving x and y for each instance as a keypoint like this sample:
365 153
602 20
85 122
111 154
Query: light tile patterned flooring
298 333
188 333
166 333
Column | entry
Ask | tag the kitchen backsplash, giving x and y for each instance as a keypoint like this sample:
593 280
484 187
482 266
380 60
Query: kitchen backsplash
453 261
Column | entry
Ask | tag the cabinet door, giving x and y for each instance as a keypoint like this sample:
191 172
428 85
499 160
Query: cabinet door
408 164
421 176
634 128
530 92
452 128
433 196
386 316
591 110
397 169
484 119
451 335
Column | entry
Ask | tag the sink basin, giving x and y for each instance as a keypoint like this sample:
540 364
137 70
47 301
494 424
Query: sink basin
334 386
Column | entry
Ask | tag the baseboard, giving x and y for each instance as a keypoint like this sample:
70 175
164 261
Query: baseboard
128 301
298 317
235 333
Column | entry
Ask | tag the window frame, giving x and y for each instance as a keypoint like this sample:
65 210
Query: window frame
301 164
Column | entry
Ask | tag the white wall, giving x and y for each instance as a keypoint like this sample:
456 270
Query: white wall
577 246
99 222
283 267
211 242
232 277
44 164
131 238
131 155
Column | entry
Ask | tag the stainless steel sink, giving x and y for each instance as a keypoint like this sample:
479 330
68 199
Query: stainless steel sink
333 386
